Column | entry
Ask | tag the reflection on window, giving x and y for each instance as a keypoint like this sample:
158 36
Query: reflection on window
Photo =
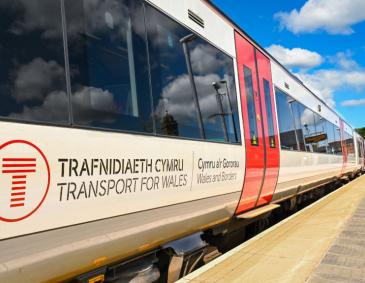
251 109
270 118
359 149
312 132
330 131
176 110
288 137
108 63
308 120
32 74
338 144
298 113
350 147
321 134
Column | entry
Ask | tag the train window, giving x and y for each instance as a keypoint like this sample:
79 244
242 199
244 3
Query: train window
270 118
330 131
321 134
288 137
214 80
350 147
359 149
108 63
250 96
32 73
338 143
192 83
298 113
309 130
228 94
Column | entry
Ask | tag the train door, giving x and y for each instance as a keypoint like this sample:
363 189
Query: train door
262 153
272 155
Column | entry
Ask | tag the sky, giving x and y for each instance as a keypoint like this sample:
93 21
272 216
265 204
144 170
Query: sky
320 41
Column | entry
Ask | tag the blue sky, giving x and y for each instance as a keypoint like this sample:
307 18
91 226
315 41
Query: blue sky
321 41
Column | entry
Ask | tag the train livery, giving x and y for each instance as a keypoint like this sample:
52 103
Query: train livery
140 138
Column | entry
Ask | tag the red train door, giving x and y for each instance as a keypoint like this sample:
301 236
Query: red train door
261 138
272 155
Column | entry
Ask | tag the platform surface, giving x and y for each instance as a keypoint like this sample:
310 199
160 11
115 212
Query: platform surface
324 242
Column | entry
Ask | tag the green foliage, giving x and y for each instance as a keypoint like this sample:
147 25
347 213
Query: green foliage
361 131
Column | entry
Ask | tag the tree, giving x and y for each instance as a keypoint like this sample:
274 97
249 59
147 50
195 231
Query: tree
361 131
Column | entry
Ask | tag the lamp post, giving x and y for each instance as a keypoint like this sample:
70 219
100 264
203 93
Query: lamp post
185 41
220 105
230 108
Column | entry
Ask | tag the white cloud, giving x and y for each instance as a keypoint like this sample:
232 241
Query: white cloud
177 101
177 98
35 80
345 73
353 102
343 60
332 16
307 118
33 16
326 82
95 98
296 57
211 63
55 106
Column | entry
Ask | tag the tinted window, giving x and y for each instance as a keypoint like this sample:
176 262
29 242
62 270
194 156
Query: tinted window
288 137
350 146
309 129
228 94
298 113
338 143
108 62
270 118
359 149
330 131
321 134
32 73
250 97
181 97
214 80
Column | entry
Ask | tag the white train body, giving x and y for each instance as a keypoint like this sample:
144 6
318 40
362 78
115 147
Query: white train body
77 197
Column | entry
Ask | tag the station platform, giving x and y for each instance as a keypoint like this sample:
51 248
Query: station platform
325 242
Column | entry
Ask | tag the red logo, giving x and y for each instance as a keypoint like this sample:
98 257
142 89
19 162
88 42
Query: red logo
24 180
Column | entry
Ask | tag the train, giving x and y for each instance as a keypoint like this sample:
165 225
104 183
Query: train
140 138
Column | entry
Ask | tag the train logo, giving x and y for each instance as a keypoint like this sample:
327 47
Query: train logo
24 180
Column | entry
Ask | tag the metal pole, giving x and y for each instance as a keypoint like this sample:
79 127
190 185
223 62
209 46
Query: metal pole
184 41
220 105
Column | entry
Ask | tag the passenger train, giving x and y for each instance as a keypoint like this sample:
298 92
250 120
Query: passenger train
140 138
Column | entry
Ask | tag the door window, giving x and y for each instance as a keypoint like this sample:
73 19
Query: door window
250 96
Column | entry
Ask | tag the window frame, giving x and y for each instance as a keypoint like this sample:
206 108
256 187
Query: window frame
256 129
278 122
269 113
240 134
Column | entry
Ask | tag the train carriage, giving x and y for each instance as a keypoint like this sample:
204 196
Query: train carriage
141 138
